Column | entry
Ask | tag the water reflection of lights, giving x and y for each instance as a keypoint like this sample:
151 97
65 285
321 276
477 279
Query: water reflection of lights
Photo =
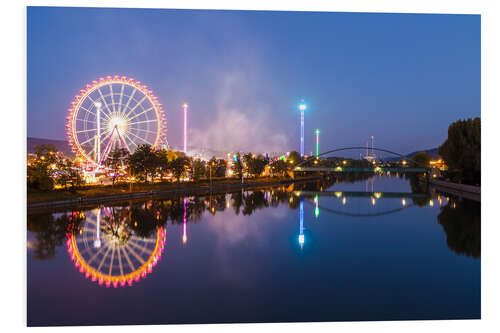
122 257
431 203
301 228
344 200
184 231
403 202
373 201
316 208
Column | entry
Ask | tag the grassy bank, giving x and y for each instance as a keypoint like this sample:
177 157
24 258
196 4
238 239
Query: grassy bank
121 188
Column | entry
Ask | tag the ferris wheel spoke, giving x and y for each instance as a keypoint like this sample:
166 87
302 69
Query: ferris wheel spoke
104 100
146 240
135 106
126 137
97 253
143 130
93 103
87 130
128 101
138 257
86 120
128 260
139 138
93 137
144 121
120 265
92 112
143 112
112 98
142 248
112 259
121 99
103 259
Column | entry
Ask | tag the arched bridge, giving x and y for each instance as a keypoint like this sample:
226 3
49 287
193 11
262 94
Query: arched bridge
302 166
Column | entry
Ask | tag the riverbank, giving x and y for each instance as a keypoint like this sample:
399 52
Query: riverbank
103 194
459 190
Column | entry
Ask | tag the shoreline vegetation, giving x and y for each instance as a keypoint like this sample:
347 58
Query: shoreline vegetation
122 191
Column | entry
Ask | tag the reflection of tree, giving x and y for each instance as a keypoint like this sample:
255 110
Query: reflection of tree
253 201
145 220
418 188
462 226
50 232
237 198
115 224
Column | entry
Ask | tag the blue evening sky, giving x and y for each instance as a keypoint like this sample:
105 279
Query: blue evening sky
402 78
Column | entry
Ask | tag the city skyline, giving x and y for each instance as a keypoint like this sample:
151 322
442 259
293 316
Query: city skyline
359 73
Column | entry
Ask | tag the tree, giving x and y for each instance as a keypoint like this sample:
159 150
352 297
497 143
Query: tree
178 167
237 165
220 168
216 167
462 150
143 162
41 171
422 159
68 173
197 170
255 165
116 161
294 158
461 222
278 167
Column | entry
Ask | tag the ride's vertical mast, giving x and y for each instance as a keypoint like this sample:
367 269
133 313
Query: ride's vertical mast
372 146
302 108
317 142
185 106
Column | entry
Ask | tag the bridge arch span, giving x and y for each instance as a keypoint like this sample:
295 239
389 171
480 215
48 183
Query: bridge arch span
311 158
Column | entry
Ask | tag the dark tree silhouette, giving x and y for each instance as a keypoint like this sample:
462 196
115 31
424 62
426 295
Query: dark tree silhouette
462 226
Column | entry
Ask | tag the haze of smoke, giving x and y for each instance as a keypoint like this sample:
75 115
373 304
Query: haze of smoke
239 123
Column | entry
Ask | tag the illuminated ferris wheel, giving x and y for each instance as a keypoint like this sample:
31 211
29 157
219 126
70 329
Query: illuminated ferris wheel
114 112
108 251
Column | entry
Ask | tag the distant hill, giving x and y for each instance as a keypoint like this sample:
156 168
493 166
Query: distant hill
61 145
433 153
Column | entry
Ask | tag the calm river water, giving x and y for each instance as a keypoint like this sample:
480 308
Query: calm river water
381 248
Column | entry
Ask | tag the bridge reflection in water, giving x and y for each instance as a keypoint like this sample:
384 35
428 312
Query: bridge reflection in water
407 200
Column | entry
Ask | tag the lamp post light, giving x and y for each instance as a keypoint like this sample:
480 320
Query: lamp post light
302 108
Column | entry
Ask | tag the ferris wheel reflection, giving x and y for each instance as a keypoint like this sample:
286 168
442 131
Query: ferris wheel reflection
108 250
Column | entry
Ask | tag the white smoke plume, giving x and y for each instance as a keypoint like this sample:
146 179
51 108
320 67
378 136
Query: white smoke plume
240 122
